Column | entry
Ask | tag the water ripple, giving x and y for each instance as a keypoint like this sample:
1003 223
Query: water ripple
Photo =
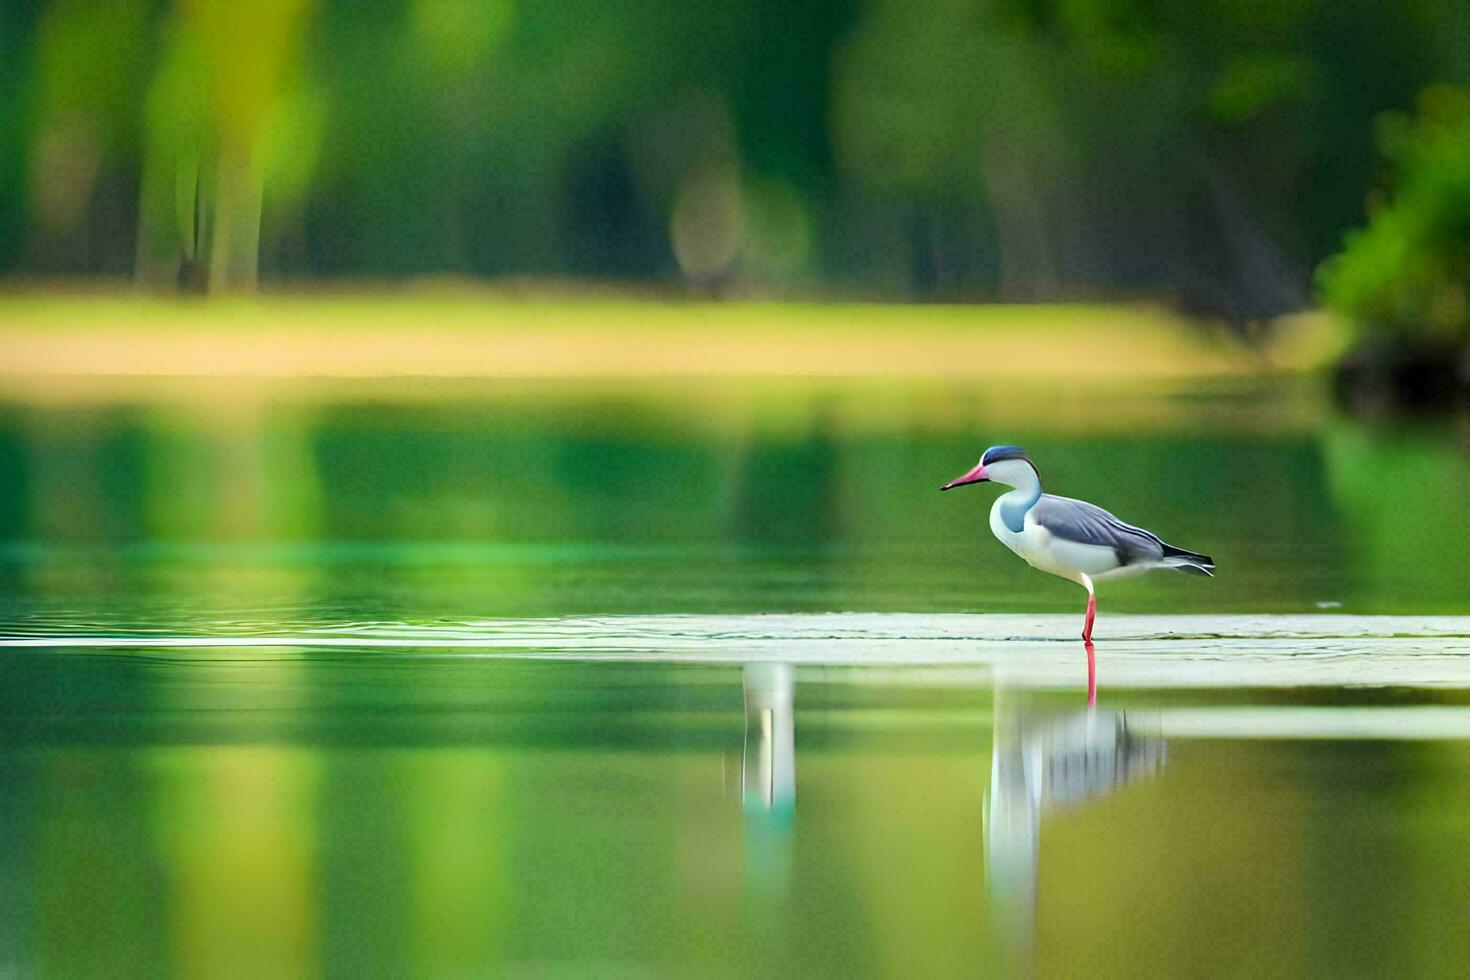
1038 650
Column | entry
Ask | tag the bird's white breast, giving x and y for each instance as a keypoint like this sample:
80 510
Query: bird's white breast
1040 549
1032 542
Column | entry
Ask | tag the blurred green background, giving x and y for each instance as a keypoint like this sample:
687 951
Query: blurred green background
325 322
546 287
1213 154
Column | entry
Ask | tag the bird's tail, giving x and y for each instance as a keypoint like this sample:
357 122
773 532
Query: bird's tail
1190 562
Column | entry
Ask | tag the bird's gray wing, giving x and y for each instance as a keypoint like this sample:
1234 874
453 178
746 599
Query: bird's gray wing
1084 523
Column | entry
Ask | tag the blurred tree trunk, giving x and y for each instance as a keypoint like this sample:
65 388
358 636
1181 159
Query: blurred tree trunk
227 70
199 226
167 242
233 245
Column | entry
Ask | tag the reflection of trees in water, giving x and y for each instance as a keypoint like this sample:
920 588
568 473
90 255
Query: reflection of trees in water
787 489
617 471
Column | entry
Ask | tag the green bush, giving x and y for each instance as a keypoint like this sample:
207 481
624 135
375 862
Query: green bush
1407 272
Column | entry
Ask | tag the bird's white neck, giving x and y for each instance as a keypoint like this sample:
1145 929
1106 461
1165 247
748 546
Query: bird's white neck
1026 490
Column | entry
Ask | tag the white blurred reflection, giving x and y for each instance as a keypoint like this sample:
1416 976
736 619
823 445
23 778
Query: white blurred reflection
768 776
768 765
1043 762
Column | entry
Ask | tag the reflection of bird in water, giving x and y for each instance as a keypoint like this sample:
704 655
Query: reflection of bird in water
1070 538
768 774
768 764
1041 763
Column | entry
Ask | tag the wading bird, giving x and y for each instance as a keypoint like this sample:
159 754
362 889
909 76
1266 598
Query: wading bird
1071 538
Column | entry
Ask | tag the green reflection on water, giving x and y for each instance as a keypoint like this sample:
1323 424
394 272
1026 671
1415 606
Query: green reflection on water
339 811
511 501
352 816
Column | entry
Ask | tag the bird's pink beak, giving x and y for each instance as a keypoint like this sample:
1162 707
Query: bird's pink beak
977 475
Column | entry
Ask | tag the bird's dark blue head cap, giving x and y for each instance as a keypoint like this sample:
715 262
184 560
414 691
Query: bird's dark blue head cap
993 455
997 453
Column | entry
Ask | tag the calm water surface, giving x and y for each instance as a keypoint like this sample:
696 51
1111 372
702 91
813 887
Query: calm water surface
549 682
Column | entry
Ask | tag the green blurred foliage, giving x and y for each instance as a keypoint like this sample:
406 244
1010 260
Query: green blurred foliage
227 117
88 64
1408 271
90 59
961 148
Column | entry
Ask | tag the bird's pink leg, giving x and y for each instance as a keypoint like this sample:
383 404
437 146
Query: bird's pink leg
1091 675
1087 640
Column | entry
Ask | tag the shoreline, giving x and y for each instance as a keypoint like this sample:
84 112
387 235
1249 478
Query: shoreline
436 337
